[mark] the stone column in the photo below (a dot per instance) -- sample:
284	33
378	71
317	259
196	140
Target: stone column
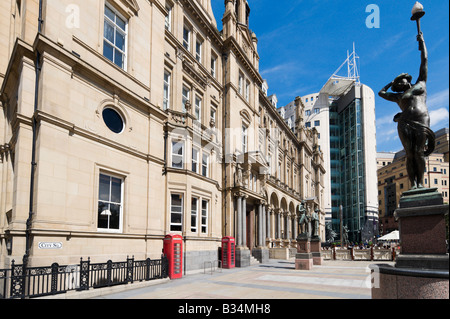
261	253
242	253
264	219
244	221
239	220
295	226
279	224
260	225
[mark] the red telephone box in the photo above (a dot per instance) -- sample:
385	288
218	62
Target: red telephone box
228	252
173	250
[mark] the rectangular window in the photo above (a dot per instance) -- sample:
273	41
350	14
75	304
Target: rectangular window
166	101
110	203
194	214
316	110
195	153
244	139
176	212
198	108
198	50
308	124
213	66
168	19
307	112
177	154
205	165
247	91
185	97
316	123
187	38
204	225
115	37
213	115
241	84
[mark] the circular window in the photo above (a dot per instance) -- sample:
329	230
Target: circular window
113	120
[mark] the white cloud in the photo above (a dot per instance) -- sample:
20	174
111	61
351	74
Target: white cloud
439	118
438	100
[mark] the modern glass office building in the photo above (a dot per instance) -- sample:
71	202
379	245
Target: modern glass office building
343	113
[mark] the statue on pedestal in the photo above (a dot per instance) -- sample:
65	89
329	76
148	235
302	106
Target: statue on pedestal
304	222
315	223
414	121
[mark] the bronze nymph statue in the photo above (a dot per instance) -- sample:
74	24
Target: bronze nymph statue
413	128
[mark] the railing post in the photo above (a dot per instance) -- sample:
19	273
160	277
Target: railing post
17	281
147	273
130	266
108	272
84	274
164	267
54	278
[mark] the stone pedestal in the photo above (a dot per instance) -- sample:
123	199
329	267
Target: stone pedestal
303	257
316	250
421	269
242	257
261	254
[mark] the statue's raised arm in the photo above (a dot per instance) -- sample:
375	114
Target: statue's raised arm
423	74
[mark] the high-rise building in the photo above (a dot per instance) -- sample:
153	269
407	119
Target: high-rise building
343	113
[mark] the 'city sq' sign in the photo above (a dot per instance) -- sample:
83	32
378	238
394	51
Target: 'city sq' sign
43	245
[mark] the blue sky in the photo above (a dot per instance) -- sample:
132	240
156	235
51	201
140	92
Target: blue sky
301	43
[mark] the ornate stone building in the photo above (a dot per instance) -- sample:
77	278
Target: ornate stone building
126	120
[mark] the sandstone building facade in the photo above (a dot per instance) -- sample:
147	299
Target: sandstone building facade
126	120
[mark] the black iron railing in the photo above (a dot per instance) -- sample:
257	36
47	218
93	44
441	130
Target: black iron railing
31	282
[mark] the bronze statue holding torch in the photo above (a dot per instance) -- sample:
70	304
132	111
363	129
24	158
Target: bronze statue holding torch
413	128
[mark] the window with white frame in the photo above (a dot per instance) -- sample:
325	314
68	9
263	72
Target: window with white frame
213	66
168	19
166	99
115	36
185	97
205	164
241	84
198	50
177	154
187	38
194	214
204	222
213	115
110	203
198	108
176	212
247	91
244	138
195	153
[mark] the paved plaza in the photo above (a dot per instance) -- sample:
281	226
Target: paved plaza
276	279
